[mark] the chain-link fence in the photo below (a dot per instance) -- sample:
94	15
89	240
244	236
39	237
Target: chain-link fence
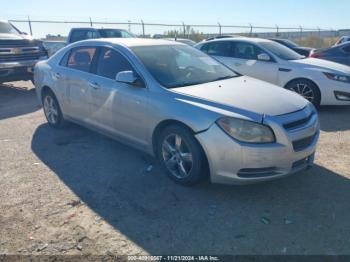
197	32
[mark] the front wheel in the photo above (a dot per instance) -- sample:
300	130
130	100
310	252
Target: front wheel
181	156
52	110
306	89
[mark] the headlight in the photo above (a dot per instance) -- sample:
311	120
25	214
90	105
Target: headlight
336	77
247	131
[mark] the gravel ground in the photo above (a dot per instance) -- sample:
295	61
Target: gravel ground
73	191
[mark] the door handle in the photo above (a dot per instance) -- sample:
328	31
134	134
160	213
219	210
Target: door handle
238	64
94	85
57	76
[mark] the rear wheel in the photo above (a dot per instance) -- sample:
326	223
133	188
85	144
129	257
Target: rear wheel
181	156
306	89
52	109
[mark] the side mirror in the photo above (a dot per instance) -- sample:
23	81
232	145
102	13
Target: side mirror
128	77
264	57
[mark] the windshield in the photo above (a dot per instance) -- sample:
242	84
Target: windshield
6	28
288	43
115	33
281	51
179	65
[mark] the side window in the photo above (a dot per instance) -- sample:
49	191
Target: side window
79	35
346	49
64	60
110	63
246	51
218	48
81	58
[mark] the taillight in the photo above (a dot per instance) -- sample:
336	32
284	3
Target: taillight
316	55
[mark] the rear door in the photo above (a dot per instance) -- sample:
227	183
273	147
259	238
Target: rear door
77	83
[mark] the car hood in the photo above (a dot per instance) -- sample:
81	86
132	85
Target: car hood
245	94
321	64
15	37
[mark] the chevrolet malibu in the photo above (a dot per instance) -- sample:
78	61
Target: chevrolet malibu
321	82
196	116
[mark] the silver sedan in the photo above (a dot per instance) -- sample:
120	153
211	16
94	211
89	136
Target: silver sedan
196	116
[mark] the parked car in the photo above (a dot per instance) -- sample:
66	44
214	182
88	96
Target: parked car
78	34
18	53
321	82
339	54
180	105
220	37
305	51
182	40
342	40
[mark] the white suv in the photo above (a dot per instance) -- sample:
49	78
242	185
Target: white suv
321	82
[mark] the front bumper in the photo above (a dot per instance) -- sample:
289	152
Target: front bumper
18	70
232	162
331	92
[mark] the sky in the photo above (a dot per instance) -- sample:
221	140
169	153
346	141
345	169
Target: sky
325	14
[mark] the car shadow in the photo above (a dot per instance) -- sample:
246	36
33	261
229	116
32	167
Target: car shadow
17	99
334	118
305	213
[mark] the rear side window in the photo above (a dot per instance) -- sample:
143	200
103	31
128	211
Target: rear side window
218	48
79	35
110	63
81	58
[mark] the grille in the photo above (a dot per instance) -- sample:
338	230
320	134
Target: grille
298	123
257	172
301	144
20	57
18	43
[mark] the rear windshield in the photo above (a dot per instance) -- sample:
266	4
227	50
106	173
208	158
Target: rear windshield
115	33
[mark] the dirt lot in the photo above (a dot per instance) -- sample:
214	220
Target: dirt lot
77	192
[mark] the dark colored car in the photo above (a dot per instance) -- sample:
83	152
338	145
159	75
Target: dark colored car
342	40
305	51
18	53
339	54
78	34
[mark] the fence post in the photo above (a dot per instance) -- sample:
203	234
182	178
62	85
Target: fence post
319	32
184	28
219	28
301	32
143	28
277	32
30	26
251	30
90	22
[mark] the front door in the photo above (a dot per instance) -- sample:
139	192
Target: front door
117	107
244	60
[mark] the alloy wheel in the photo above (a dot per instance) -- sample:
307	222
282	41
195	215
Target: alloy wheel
304	90
177	156
51	109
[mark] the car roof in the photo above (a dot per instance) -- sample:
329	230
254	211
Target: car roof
94	28
130	42
246	39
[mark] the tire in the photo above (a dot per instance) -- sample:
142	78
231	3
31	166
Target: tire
307	89
52	110
181	156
